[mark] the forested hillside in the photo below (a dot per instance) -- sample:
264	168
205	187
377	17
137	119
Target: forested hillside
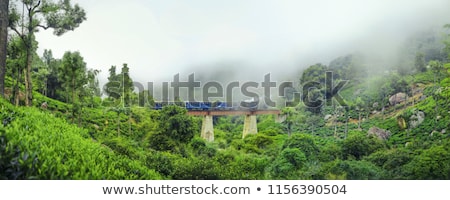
58	123
141	143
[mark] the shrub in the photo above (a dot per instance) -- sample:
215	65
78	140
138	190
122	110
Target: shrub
358	145
304	143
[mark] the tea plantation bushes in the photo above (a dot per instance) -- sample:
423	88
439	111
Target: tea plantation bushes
39	146
433	164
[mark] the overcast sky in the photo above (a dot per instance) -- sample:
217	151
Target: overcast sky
161	38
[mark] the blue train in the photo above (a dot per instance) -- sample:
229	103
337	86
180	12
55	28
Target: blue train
218	105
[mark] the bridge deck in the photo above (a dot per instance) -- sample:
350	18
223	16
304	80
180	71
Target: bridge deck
233	112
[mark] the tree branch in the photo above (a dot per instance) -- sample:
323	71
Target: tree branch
18	33
42	26
37	5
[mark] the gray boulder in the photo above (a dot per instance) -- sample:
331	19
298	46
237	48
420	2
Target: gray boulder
416	119
380	133
397	98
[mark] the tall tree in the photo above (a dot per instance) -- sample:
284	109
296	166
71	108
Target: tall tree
126	85
92	89
74	73
93	82
289	122
74	78
120	86
40	74
53	79
4	21
61	16
112	86
127	89
16	64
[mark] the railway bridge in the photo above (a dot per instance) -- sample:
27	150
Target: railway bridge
250	125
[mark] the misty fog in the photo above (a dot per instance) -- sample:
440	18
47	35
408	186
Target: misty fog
242	40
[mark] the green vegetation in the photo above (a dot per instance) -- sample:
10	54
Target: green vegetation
395	124
37	145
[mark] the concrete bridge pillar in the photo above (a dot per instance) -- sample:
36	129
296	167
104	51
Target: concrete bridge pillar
250	125
207	128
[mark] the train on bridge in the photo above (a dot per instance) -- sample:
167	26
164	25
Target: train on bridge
217	105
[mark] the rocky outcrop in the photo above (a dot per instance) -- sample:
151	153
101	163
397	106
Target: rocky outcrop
416	119
380	133
397	98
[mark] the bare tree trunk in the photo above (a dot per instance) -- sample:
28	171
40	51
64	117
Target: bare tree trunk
17	88
4	21
29	60
28	84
